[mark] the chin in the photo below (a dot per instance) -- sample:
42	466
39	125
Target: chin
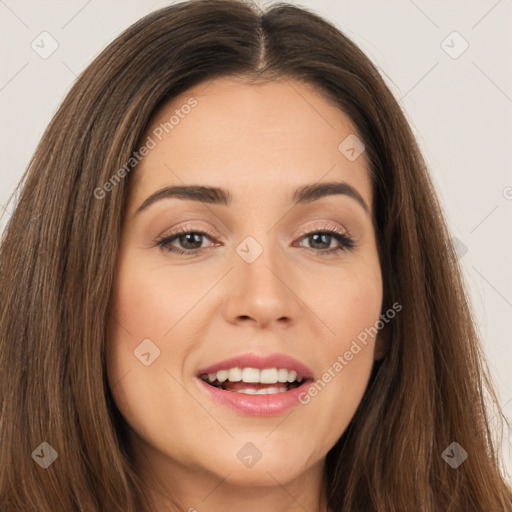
268	469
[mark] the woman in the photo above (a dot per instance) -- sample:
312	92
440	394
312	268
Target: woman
227	283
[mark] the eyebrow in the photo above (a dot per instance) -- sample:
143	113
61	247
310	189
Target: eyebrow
219	196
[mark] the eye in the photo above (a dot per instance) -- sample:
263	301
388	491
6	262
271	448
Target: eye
190	241
320	240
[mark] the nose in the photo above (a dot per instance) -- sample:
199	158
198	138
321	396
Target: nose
262	292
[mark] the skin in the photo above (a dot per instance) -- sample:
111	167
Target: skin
261	142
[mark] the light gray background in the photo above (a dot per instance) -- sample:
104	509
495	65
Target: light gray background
460	109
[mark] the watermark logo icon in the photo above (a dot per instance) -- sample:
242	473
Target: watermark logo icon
44	45
351	147
146	352
249	455
249	249
45	455
460	248
454	455
454	45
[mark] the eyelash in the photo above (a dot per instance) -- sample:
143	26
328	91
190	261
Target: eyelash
345	241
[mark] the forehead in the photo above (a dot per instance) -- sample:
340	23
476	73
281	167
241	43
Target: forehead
241	136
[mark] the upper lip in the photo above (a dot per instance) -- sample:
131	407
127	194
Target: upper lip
250	360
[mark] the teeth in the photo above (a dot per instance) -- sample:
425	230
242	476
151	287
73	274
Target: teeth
292	376
255	376
248	391
282	375
264	391
250	375
222	375
235	375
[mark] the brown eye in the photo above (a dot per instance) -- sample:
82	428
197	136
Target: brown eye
320	241
183	241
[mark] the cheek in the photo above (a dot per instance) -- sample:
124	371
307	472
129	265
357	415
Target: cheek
349	307
148	303
358	302
147	312
349	302
143	311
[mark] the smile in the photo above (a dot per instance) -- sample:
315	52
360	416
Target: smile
253	381
256	385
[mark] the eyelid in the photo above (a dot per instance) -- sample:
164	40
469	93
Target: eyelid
340	233
325	225
174	231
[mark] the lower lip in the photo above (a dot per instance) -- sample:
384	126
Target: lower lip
256	405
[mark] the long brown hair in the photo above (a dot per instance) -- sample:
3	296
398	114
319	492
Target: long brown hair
58	256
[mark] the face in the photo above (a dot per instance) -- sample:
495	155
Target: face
230	308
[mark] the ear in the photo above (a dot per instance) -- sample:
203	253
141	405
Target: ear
382	343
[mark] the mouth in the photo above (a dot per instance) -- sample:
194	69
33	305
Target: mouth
254	381
256	385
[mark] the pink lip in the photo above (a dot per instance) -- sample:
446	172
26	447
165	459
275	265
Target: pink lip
250	360
258	405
